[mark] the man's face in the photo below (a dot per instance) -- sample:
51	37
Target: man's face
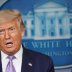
10	37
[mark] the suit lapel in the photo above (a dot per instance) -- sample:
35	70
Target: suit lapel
0	63
27	62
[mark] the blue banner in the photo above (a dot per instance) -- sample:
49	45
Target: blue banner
60	50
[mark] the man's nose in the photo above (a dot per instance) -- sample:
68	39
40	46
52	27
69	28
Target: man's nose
7	35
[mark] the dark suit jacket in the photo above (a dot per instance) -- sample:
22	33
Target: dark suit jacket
34	62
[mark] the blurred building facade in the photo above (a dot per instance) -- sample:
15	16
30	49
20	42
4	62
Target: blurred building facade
48	21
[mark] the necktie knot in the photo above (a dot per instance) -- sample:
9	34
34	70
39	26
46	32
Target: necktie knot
11	57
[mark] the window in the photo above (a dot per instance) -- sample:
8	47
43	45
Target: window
71	31
43	21
32	32
32	22
61	31
52	31
71	21
60	20
52	34
43	32
52	21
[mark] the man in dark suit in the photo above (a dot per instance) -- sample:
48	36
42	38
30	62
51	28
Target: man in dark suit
13	56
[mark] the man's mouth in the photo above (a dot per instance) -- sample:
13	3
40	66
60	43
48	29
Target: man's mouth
9	44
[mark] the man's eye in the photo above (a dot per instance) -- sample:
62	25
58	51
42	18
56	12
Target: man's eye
1	32
12	29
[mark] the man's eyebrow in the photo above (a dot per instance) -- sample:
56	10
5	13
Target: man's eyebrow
1	28
11	27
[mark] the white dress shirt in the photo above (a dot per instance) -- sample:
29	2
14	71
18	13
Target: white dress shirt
16	62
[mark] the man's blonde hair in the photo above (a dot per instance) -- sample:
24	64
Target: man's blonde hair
9	15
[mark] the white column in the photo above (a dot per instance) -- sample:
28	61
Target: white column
57	25
28	28
37	26
48	24
66	26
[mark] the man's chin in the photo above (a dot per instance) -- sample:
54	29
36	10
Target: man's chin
10	53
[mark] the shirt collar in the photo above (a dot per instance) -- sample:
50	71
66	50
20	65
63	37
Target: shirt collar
18	55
